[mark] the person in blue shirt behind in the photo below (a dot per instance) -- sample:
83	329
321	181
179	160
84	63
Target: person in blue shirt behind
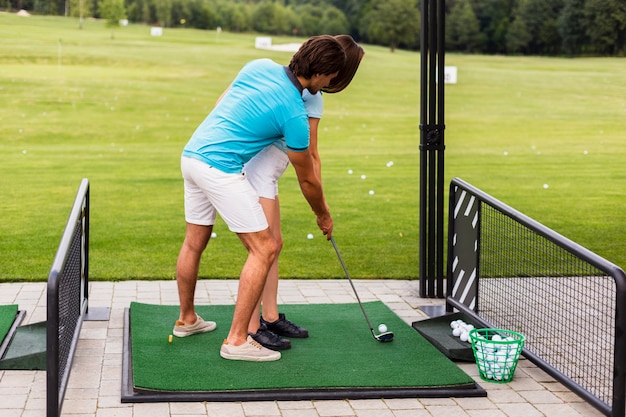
263	105
269	327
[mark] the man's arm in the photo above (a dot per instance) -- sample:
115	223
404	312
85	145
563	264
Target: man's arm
311	187
317	163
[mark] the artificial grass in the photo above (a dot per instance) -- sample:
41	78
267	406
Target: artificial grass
7	317
339	353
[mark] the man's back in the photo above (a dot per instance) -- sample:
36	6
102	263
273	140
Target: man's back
261	106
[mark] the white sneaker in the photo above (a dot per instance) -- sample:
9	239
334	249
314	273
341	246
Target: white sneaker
251	351
200	326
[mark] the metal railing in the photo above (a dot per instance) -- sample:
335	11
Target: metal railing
508	271
67	298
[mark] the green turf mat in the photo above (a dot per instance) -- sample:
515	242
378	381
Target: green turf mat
340	353
7	316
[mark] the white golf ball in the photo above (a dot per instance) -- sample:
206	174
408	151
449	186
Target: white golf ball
213	234
382	328
350	171
309	236
363	176
545	185
371	192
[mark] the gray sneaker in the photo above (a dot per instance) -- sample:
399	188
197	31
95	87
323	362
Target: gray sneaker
200	326
250	351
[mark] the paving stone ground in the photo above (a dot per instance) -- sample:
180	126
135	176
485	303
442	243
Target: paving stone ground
94	388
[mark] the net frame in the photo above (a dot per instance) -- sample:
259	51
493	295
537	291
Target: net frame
509	271
67	300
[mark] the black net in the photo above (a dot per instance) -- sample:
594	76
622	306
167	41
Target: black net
70	299
67	300
563	305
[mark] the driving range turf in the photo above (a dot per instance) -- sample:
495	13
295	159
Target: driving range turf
76	103
340	359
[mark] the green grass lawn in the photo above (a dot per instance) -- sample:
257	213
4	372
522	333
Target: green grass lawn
76	103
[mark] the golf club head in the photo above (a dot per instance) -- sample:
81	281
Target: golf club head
384	337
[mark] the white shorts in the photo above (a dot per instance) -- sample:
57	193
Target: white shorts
209	191
264	170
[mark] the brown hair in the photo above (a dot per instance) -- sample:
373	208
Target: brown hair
354	54
319	55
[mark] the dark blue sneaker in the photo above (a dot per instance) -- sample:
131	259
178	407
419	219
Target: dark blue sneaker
284	327
270	340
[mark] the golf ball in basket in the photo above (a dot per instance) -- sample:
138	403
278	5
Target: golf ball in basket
382	328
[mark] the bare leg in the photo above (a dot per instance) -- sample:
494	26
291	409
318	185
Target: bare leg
196	239
269	298
262	250
271	208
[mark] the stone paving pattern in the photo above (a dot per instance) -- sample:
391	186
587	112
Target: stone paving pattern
95	382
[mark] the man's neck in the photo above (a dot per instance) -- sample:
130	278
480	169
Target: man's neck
295	80
304	82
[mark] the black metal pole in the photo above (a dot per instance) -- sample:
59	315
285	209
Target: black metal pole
441	36
423	261
432	148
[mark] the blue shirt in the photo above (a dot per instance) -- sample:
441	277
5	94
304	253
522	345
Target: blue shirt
262	106
314	105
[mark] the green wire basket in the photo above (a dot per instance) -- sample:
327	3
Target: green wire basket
496	352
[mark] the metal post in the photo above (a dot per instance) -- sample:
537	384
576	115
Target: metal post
432	148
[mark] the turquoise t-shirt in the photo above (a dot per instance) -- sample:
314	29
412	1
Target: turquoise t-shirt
314	105
261	106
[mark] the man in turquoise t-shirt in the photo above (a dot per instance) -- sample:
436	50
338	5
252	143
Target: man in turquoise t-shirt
263	105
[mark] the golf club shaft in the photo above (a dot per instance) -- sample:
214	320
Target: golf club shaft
332	239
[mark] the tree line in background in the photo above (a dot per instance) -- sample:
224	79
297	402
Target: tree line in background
529	27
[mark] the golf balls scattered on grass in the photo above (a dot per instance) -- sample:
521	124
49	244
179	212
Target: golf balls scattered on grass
169	339
545	185
213	234
363	177
371	192
350	172
382	328
309	236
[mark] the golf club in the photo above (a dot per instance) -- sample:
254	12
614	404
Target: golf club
383	337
